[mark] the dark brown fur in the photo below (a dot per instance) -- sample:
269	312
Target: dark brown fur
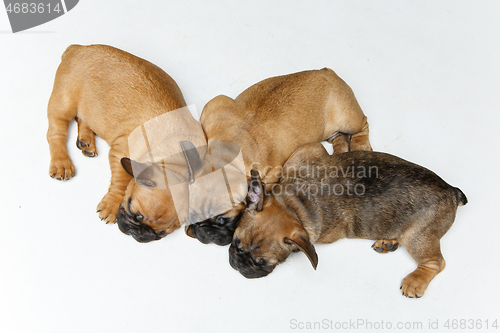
398	203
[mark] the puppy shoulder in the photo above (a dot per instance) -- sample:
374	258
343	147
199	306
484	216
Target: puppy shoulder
217	115
216	104
71	50
306	154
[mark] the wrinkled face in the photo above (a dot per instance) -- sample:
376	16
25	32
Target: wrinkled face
266	235
147	214
217	186
259	243
219	229
214	211
185	188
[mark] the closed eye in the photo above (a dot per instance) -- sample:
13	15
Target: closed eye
135	217
220	220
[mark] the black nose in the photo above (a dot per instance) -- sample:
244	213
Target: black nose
243	262
237	246
130	225
208	232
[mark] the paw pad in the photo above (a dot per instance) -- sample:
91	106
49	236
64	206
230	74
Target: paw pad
385	246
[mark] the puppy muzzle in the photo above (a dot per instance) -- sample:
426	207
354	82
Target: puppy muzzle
244	263
140	232
217	230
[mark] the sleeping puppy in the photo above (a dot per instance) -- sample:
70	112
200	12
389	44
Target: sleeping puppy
110	93
322	198
269	121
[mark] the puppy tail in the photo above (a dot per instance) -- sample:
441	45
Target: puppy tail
461	198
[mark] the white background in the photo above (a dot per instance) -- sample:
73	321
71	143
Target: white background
426	73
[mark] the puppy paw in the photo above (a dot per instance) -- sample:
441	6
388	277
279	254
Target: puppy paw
62	169
340	143
87	147
385	246
414	285
108	207
360	146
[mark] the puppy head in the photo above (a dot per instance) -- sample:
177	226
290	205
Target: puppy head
266	235
147	212
216	194
219	229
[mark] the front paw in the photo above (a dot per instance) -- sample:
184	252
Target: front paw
87	147
385	246
108	207
62	169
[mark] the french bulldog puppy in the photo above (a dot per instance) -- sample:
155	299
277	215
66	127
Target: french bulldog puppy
269	121
110	93
322	198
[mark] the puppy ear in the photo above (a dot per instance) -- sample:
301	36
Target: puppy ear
193	160
301	240
255	195
127	165
142	172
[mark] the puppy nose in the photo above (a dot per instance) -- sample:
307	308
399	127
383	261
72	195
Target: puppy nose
236	242
238	246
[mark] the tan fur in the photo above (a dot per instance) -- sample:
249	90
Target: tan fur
109	92
274	117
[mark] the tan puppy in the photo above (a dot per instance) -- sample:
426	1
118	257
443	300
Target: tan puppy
110	93
269	121
322	198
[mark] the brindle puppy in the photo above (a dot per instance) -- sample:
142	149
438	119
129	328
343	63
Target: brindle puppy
323	198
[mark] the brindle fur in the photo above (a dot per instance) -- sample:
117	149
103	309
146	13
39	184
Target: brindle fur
402	204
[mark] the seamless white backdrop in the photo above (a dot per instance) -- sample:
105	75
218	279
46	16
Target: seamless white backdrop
426	73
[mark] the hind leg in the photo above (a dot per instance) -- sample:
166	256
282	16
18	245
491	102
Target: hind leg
427	253
359	141
344	142
340	143
60	112
86	139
